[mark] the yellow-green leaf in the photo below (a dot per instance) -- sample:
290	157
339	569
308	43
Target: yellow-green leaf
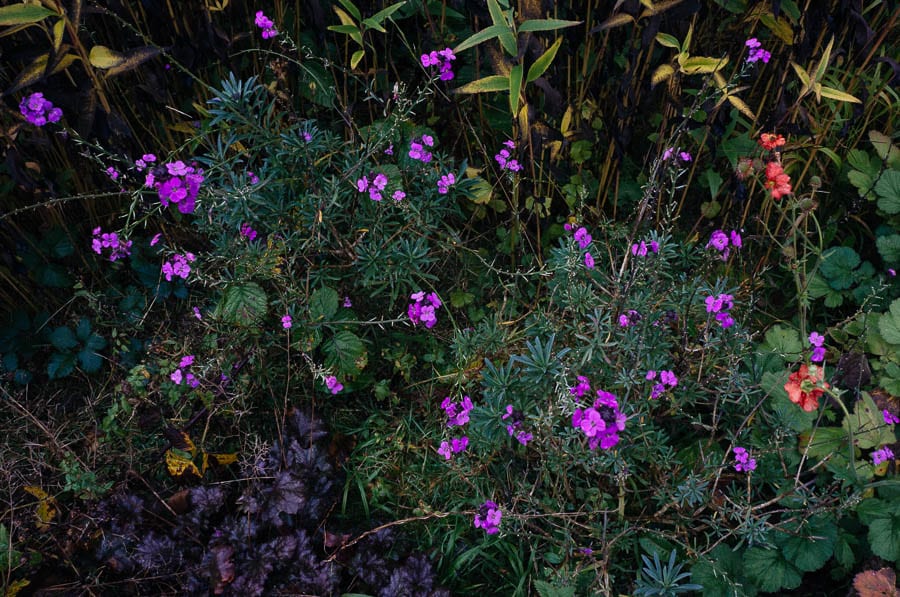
489	83
479	191
781	27
838	95
546	25
670	41
59	28
663	72
23	14
541	65
351	8
823	62
508	41
357	56
104	58
696	65
615	21
741	106
655	9
515	88
32	73
133	60
482	36
376	19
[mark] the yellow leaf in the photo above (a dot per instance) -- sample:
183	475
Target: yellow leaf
697	65
179	466
663	72
781	27
58	29
13	588
47	508
218	460
837	95
344	17
33	73
36	492
103	57
615	21
356	58
180	440
742	107
133	60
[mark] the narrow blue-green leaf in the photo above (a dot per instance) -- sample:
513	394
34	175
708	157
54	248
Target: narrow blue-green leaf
515	88
541	65
480	37
546	25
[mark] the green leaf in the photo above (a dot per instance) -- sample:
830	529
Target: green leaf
889	324
242	304
843	549
8	554
789	414
546	589
356	58
884	537
809	545
89	360
837	267
323	304
376	19
480	37
460	298
696	65
351	8
888	190
483	85
62	338
346	353
823	442
23	14
103	57
541	65
545	25
768	569
670	41
83	329
496	13
784	341
61	364
889	247
95	342
515	88
867	424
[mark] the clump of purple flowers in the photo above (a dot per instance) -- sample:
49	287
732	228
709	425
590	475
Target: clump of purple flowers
723	243
454	446
287	322
720	305
817	341
378	184
417	149
667	380
445	182
583	238
882	455
176	183
488	518
742	461
266	24
422	309
144	162
683	156
641	249
457	416
756	52
248	232
515	419
629	318
441	59
182	375
118	247
889	417
39	111
178	266
333	385
602	422
503	157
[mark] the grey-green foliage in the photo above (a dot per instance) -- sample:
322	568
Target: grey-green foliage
658	579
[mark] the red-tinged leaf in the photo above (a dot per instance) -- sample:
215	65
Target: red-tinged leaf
880	583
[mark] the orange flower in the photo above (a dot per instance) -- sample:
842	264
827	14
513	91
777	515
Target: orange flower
777	181
770	141
805	386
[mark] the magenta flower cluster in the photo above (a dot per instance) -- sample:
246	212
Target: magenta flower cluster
266	24
583	238
248	232
602	422
683	156
143	162
286	321
514	419
756	52
723	243
889	417
181	374
720	305
629	318
882	455
39	111
742	461
445	182
118	247
503	157
422	309
441	59
817	341
176	183
642	248
333	385
374	188
488	518
457	416
178	266
667	380
417	149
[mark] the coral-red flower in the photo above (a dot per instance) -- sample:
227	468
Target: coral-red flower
805	386
777	181
770	141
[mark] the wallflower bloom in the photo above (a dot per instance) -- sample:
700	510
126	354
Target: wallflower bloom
442	60
777	181
629	318
817	341
39	111
582	237
602	422
118	247
756	52
882	455
721	302
581	388
806	385
112	173
743	462
178	266
286	321
422	310
718	241
333	384
457	412
446	181
589	261
488	518
641	249
176	183
503	158
248	232
266	24
889	417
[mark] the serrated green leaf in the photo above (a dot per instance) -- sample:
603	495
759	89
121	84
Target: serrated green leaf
867	424
884	537
541	65
242	304
83	329
809	545
888	190
889	247
837	267
889	323
323	304
546	589
460	298
346	353
784	341
843	549
62	338
23	14
61	364
823	442
89	360
768	569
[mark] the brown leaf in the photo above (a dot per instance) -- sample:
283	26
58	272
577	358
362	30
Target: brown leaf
881	583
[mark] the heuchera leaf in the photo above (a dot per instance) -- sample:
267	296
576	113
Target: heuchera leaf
889	323
770	571
809	545
888	190
889	248
880	583
838	265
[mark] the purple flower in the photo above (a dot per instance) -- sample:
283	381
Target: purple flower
685	156
580	389
197	313
818	354
725	320
266	24
445	182
333	384
722	302
112	173
668	378
882	455
743	462
248	232
253	178
457	412
186	361
178	266
629	318
118	247
582	237
816	339
398	195
503	158
286	321
418	152
589	261
422	310
668	153
442	60
177	183
718	241
176	377
39	111
445	450
756	51
347	302
459	444
307	136
602	422
488	518
155	238
889	417
736	241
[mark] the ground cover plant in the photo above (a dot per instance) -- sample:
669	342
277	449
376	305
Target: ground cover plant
403	309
